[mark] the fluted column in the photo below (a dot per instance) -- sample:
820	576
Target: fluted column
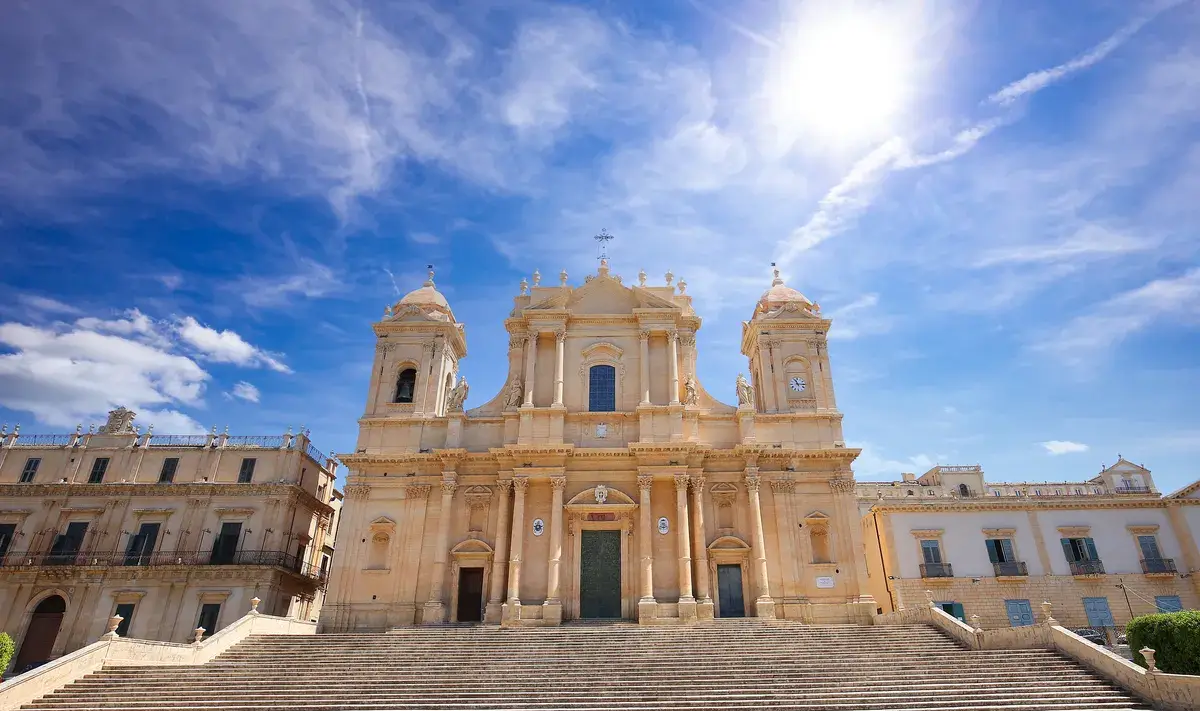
687	603
703	594
559	338
764	606
531	342
512	608
500	561
552	608
647	605
435	609
673	355
644	355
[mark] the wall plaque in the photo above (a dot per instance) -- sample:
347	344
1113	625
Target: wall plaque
663	525
824	582
539	526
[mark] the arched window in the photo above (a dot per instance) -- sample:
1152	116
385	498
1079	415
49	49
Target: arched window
963	490
602	388
406	385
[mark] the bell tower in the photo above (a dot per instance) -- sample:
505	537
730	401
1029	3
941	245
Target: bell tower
417	351
785	341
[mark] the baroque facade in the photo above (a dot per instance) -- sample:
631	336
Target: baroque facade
1101	550
603	480
170	532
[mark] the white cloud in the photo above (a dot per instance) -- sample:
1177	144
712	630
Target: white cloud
1036	81
1090	241
311	280
225	346
423	238
1056	447
870	464
169	422
857	318
245	391
45	304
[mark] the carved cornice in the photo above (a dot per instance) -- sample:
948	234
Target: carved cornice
1144	530
927	533
118	491
1023	504
1074	531
999	532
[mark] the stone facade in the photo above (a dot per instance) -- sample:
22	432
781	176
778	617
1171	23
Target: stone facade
1101	551
114	520
601	426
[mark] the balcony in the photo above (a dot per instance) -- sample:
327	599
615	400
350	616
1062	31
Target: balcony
105	559
936	570
1087	567
1158	566
1010	569
1132	490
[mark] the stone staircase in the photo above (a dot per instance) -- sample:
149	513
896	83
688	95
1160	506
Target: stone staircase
725	664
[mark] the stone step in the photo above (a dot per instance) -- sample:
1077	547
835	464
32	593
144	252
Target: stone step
944	704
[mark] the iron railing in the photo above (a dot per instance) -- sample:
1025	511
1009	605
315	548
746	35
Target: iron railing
1087	567
1011	568
178	441
1158	565
255	442
936	570
1132	490
95	559
43	440
317	455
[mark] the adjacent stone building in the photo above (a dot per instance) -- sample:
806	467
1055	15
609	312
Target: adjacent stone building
603	480
1102	550
171	532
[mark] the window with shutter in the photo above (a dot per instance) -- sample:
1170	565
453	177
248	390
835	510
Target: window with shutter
246	473
30	469
99	467
167	475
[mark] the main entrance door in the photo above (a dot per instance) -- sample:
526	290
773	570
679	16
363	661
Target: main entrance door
600	574
470	595
729	591
40	636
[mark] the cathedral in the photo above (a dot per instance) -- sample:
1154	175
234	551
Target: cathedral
603	481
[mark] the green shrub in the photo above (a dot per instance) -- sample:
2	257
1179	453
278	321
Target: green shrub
6	651
1174	637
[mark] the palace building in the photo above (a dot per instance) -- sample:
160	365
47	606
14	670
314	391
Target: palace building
603	480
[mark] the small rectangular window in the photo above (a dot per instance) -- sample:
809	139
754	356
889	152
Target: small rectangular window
1149	546
7	532
125	611
210	613
931	551
246	473
99	467
30	470
167	475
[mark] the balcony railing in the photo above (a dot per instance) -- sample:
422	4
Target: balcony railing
43	440
1158	565
1132	489
1011	569
255	442
91	559
177	441
936	570
1087	567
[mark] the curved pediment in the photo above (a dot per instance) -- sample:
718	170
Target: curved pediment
601	349
729	543
471	545
601	496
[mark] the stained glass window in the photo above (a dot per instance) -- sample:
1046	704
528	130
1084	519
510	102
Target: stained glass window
602	388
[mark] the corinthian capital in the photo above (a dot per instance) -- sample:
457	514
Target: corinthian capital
520	485
681	482
645	481
560	335
558	482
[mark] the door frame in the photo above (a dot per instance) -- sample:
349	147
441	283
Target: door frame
717	598
730	550
27	617
620	510
470	553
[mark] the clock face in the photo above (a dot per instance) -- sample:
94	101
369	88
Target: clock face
798	384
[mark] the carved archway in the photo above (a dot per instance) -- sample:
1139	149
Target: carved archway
470	553
601	508
729	550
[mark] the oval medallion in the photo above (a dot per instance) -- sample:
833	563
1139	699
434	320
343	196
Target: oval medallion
663	525
539	526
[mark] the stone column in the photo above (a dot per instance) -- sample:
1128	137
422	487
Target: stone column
552	607
512	608
673	355
704	603
492	614
779	388
531	342
764	606
687	603
435	609
647	605
559	338
644	355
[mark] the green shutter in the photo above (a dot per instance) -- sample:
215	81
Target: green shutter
1066	544
958	611
1006	547
991	546
1091	549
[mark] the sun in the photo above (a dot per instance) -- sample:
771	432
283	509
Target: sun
841	73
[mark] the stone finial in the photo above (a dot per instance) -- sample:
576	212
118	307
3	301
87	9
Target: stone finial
214	431
524	286
777	280
603	270
682	286
387	311
150	429
429	281
537	278
1149	656
562	278
669	276
4	429
641	277
975	623
113	623
78	428
91	429
254	601
929	598
199	635
1049	618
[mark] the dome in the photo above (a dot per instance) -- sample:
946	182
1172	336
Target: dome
780	294
428	299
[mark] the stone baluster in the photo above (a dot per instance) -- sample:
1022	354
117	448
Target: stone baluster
512	608
552	608
435	609
500	561
764	606
647	605
687	602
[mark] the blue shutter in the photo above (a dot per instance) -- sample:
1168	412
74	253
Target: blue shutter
1006	547
991	548
1066	544
1091	549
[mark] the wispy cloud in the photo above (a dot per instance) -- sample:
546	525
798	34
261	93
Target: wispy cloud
226	346
1056	447
1036	81
1089	241
44	304
857	319
245	391
310	280
871	464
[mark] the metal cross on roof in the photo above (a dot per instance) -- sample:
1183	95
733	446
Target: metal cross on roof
603	239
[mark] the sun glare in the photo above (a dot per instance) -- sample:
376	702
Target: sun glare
840	76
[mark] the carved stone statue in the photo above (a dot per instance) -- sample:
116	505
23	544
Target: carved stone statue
690	395
515	395
457	396
745	393
120	421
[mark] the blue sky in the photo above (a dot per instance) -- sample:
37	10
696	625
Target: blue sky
203	206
